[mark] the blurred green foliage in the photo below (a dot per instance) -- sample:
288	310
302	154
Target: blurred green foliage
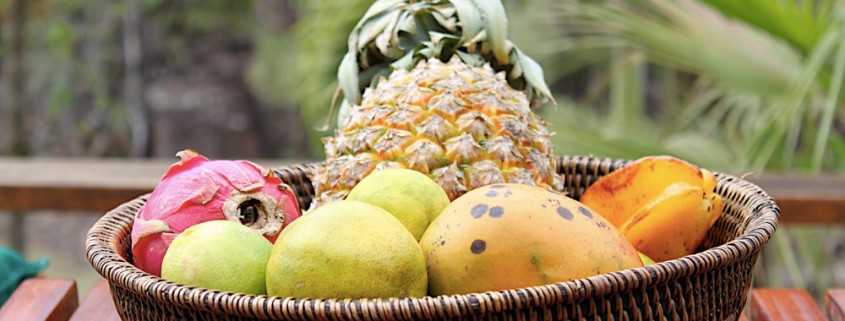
74	62
299	68
703	83
738	88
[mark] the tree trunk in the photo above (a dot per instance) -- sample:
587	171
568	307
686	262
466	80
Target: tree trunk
15	100
15	81
139	128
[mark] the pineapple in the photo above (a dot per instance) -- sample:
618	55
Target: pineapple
436	87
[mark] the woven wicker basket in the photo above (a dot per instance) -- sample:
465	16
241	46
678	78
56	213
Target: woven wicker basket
712	284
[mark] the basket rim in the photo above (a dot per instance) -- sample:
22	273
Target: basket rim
101	252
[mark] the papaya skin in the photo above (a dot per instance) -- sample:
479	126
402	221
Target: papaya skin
508	236
663	205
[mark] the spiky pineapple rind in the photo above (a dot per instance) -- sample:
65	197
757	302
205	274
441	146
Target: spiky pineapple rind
461	125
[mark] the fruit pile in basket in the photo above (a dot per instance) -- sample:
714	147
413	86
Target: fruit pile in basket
440	179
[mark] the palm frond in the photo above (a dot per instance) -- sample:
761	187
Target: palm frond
832	100
690	36
762	93
802	25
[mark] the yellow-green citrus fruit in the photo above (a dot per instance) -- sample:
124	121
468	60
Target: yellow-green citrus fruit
346	249
412	197
222	255
508	236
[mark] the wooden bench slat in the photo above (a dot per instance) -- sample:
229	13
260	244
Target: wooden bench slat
98	305
41	300
100	184
805	199
784	304
79	184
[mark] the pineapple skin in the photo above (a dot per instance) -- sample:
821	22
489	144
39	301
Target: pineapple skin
463	126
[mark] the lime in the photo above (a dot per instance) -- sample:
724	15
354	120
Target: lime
411	196
220	254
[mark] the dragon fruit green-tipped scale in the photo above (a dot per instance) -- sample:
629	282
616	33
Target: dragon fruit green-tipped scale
196	190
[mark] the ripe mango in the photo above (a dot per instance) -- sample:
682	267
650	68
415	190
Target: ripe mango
662	204
508	236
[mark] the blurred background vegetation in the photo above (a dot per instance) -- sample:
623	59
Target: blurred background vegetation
750	86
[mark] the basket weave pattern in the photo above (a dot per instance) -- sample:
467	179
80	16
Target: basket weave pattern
710	285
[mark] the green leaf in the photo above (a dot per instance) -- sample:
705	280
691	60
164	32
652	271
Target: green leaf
343	112
738	55
826	123
409	24
627	76
766	141
380	7
445	19
496	25
387	41
802	26
470	18
533	74
377	8
439	37
472	59
347	77
405	63
372	28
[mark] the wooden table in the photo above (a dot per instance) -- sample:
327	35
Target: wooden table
57	300
80	184
98	185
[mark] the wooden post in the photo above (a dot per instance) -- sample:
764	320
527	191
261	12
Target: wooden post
133	81
15	100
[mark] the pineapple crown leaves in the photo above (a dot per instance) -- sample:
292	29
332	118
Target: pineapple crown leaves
398	34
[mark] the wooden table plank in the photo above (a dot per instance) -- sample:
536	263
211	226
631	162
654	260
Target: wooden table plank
806	199
834	304
784	304
80	184
98	305
98	185
41	300
94	185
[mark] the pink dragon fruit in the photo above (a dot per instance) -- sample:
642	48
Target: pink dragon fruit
195	190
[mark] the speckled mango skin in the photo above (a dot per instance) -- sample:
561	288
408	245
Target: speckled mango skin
508	236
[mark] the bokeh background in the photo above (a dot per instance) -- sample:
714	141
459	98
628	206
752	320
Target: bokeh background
752	86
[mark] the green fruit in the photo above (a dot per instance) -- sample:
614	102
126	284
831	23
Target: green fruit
346	249
412	197
221	255
646	260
